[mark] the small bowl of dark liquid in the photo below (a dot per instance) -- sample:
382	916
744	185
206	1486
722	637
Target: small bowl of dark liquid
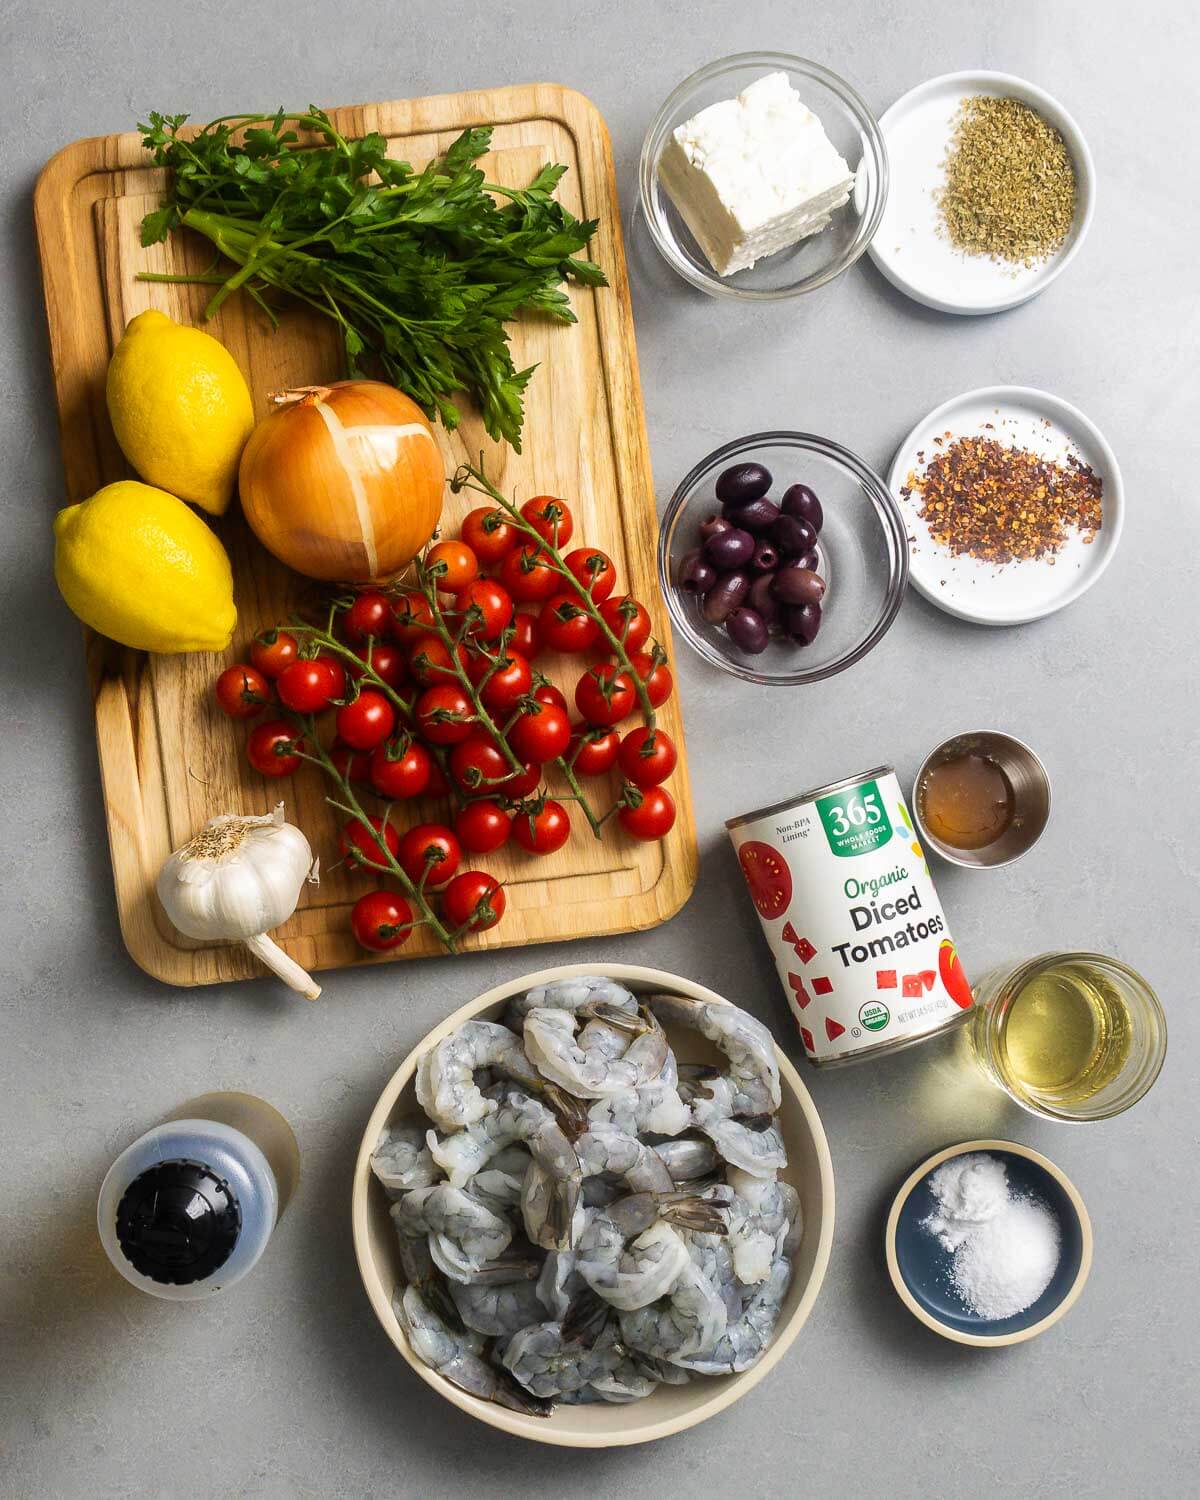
981	799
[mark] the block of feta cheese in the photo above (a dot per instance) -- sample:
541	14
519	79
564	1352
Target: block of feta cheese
752	175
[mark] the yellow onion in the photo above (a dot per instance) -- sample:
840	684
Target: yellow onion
343	482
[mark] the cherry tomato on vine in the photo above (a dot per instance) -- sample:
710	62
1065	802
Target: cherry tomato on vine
541	733
545	513
510	681
605	694
271	748
307	686
489	605
412	617
564	625
524	634
473	900
352	765
482	826
399	771
592	751
593	570
272	651
546	692
489	535
529	575
628	621
430	844
369	616
386	660
652	818
444	714
481	768
542	830
647	756
366	721
381	921
452	565
656	676
358	842
242	692
430	661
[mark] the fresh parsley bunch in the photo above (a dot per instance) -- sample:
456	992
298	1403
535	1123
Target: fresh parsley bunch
421	270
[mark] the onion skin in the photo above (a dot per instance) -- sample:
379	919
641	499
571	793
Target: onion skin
343	482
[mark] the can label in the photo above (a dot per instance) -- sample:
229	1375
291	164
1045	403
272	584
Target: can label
845	897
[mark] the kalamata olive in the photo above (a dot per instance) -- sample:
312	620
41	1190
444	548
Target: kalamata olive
759	515
803	622
763	601
810	559
748	629
743	483
725	596
793	535
696	574
796	585
801	502
729	549
765	558
714	525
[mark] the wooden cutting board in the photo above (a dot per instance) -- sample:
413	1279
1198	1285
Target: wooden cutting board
168	759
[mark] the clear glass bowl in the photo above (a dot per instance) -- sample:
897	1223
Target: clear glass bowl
848	123
862	555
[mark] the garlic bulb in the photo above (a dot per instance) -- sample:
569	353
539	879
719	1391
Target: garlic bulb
239	877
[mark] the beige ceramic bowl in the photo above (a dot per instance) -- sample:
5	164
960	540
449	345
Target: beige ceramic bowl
671	1408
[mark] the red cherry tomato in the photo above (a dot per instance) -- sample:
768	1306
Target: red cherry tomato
550	518
399	771
564	625
542	830
529	575
605	694
370	616
647	756
412	617
541	733
524	635
387	661
594	571
452	565
510	681
360	843
430	661
381	921
242	692
482	826
271	748
480	767
592	751
272	651
628	621
366	721
432	845
306	687
656	676
438	785
546	692
352	765
488	607
652	818
489	535
473	900
444	714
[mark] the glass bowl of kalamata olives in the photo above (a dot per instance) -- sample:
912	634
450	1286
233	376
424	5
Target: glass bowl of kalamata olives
783	558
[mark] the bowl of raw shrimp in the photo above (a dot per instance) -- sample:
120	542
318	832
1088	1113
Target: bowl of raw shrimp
689	1045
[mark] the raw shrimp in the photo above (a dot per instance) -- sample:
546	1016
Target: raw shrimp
755	1145
553	1048
559	1283
497	1310
688	1320
689	1159
402	1161
446	1087
555	1368
630	1254
606	1149
552	1207
654	1109
570	995
464	1234
448	1352
745	1341
745	1041
760	1224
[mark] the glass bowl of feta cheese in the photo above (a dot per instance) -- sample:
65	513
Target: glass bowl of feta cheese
763	176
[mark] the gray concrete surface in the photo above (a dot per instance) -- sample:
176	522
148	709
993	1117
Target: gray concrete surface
289	1387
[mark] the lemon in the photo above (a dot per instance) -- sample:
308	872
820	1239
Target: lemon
180	409
137	565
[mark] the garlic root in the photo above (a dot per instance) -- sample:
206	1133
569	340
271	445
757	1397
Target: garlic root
270	953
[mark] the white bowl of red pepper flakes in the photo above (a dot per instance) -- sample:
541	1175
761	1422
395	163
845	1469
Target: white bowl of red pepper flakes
1013	502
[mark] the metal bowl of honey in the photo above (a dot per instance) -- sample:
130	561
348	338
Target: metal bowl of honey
981	799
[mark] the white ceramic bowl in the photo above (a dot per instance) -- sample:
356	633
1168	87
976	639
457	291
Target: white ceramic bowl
671	1408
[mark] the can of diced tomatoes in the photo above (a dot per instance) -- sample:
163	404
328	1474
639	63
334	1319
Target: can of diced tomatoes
845	897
